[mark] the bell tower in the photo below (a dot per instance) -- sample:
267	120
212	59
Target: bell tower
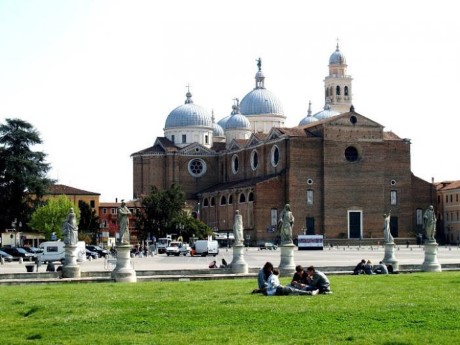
337	85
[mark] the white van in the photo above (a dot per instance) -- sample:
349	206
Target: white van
205	247
52	251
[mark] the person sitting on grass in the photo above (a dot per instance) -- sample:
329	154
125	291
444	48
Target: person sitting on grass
381	268
274	287
318	281
262	277
359	269
369	267
300	278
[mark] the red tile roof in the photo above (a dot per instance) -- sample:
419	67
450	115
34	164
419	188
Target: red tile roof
60	189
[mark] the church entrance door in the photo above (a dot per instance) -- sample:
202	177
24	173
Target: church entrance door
354	224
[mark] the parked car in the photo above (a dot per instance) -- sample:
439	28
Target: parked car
185	249
90	255
33	250
267	245
100	251
19	253
6	256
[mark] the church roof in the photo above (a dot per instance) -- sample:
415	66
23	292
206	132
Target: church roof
60	189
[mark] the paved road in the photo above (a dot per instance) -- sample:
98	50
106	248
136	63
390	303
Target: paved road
333	257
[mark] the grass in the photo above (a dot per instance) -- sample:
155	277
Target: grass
421	308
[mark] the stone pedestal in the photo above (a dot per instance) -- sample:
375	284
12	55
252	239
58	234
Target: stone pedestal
287	265
238	263
389	258
431	263
123	271
71	268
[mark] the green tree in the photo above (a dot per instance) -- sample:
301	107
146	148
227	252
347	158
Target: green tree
50	217
89	221
23	179
162	211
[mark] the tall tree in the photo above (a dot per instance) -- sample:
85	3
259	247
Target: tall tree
89	221
23	179
163	213
50	217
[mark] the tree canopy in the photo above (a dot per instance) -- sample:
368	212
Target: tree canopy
23	172
163	213
89	221
50	217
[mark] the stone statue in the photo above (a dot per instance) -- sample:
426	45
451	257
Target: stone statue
123	223
429	224
238	228
259	63
387	237
285	225
70	228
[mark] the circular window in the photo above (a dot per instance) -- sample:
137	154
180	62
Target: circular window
197	167
310	181
353	119
393	182
351	154
275	153
235	164
254	160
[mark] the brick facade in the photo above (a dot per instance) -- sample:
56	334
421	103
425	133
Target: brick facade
349	169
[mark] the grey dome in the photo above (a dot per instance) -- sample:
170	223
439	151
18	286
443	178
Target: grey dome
237	121
222	122
188	115
326	113
217	130
260	101
307	119
337	58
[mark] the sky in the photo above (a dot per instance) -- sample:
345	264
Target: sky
98	79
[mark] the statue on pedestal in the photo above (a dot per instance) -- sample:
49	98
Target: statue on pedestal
70	228
429	224
123	223
285	224
238	228
387	237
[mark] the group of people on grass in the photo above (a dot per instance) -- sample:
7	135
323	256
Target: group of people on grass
304	282
367	267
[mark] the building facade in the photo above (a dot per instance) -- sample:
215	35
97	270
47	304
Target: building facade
448	207
339	170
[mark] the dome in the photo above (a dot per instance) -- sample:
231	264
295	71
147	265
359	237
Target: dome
307	119
222	122
260	101
237	121
188	115
217	130
326	113
337	58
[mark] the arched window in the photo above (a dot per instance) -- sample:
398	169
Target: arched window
337	90
223	200
275	155
230	199
213	201
251	197
242	198
254	160
345	91
235	164
206	202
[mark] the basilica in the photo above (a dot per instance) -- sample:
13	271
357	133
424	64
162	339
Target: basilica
339	170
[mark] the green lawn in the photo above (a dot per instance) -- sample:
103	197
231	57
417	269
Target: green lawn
421	308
